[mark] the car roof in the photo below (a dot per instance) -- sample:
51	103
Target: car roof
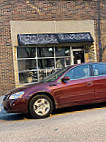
89	63
75	65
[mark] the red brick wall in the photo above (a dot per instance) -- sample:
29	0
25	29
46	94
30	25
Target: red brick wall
33	10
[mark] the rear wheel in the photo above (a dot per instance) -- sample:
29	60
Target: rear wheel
40	106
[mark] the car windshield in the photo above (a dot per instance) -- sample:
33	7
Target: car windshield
55	75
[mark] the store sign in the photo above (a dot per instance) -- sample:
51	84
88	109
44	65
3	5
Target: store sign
32	39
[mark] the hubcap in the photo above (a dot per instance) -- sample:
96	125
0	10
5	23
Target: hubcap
41	107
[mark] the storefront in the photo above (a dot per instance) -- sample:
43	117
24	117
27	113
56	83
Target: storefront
39	55
24	63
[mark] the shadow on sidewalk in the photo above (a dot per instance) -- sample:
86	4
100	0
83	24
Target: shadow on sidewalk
17	116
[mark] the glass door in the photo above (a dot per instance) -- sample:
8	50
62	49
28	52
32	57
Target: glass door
77	56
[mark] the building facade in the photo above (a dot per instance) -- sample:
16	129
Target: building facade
40	37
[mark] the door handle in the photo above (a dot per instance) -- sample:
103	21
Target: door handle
89	83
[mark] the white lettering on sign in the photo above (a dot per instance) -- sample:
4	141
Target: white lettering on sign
28	39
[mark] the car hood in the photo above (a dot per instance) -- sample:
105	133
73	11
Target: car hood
31	86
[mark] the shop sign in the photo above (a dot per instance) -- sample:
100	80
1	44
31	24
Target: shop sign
34	39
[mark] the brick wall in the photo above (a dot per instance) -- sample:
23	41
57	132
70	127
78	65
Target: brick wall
32	10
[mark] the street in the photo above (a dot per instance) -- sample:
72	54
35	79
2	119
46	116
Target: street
74	124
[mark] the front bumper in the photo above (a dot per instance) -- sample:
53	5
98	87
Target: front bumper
15	106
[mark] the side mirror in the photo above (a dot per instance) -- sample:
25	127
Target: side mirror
65	79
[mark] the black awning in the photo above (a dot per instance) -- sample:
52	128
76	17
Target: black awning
60	38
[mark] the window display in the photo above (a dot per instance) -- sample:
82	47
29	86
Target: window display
36	63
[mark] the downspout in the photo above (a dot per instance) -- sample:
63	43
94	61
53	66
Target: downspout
99	29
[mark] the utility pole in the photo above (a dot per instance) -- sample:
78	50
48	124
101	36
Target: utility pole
99	29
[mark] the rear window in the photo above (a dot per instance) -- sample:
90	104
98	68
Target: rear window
99	69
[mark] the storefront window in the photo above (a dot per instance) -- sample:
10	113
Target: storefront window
61	51
28	77
45	63
36	63
67	61
26	64
45	52
45	73
26	52
60	62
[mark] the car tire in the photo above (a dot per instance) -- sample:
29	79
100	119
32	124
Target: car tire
40	106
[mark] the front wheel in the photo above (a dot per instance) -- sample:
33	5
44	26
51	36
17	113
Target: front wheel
40	106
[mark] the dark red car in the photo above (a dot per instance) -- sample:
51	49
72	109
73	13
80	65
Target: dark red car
74	85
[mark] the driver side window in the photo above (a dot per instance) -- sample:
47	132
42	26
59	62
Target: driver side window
79	72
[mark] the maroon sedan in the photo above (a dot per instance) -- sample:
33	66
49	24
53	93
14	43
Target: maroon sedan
74	85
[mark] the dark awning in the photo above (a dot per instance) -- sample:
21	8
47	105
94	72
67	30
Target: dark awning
60	38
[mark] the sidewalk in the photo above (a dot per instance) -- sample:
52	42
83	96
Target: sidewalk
1	108
1	99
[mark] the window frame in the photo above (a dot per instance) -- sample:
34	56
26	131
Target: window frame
37	58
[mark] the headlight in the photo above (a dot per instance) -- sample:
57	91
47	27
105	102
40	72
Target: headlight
16	95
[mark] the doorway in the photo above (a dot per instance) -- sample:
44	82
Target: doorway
78	56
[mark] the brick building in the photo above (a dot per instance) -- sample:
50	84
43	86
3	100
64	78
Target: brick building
39	37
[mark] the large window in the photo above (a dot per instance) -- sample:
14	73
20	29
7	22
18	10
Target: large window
35	63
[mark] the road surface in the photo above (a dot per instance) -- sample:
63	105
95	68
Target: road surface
75	124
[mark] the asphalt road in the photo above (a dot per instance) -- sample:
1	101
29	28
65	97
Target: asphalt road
75	124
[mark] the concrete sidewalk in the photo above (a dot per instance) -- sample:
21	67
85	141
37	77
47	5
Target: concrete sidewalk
1	99
1	108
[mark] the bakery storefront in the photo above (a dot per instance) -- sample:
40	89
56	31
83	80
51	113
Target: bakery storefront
43	47
39	55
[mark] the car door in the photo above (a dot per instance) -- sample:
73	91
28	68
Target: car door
79	88
99	80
